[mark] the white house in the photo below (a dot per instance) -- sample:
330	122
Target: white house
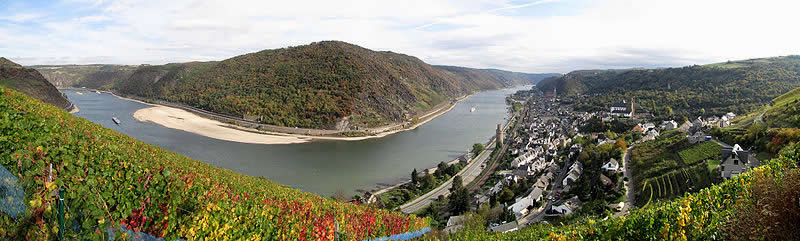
611	166
523	159
520	208
574	173
736	161
730	115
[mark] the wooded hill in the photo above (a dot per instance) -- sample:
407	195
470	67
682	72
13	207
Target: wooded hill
738	86
32	83
327	85
96	76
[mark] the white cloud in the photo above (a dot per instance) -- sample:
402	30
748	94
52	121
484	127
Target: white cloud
474	33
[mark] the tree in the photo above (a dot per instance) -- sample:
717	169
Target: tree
457	183
427	181
477	148
441	168
506	196
459	201
414	177
621	144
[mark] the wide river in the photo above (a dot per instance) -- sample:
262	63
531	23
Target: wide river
321	167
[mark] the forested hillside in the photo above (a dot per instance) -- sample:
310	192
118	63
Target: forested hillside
738	86
31	82
90	76
329	85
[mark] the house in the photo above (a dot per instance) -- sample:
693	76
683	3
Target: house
622	109
735	161
574	173
520	208
523	159
686	125
669	125
700	122
496	188
611	166
455	223
647	126
505	228
565	207
697	137
730	115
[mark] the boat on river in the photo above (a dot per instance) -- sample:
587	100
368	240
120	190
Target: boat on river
116	121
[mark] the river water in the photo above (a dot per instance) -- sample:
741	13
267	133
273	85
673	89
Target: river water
321	167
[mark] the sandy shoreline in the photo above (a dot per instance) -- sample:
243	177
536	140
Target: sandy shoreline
176	118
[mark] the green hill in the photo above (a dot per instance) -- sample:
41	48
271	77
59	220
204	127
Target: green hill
784	111
327	85
110	179
738	86
31	82
94	76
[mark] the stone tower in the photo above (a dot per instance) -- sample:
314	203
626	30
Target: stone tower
499	136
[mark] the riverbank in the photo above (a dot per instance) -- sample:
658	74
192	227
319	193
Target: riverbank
176	118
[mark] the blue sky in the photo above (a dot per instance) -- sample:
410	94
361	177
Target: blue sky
519	35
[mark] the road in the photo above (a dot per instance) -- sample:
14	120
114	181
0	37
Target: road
469	173
629	196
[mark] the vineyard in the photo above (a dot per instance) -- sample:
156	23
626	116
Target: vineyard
703	215
700	152
110	180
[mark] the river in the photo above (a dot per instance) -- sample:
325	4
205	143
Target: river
321	167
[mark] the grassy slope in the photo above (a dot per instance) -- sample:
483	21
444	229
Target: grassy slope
698	216
113	179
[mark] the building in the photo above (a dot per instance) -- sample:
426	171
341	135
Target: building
611	166
697	137
735	161
565	207
574	173
499	133
455	223
505	228
669	125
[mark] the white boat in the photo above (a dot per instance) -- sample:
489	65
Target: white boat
97	91
116	120
472	110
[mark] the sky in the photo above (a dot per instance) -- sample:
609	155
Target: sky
534	36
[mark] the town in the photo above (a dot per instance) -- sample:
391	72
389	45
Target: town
557	165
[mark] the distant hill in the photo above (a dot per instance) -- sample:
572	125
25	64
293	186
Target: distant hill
32	83
737	86
327	85
501	76
95	76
